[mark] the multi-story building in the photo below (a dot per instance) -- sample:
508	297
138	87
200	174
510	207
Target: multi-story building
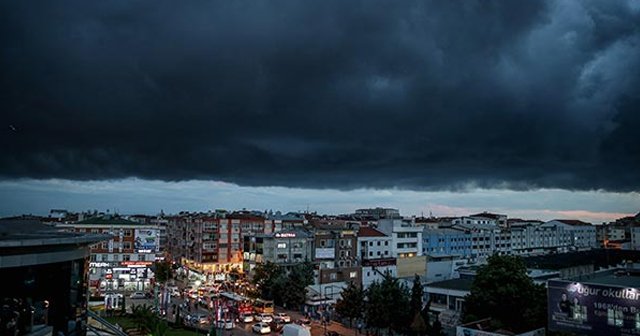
635	238
284	248
122	262
406	245
374	250
581	234
378	213
446	242
213	242
47	270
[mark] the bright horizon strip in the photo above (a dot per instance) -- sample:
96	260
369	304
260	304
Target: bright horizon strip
138	196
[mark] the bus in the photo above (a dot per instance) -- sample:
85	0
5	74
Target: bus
263	306
237	304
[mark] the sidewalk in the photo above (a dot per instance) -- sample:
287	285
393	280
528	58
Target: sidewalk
317	328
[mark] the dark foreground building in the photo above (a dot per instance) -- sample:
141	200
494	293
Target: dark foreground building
44	279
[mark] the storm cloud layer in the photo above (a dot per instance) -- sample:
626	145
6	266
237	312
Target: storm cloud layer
340	94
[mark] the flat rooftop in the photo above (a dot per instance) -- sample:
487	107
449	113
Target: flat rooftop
620	278
462	284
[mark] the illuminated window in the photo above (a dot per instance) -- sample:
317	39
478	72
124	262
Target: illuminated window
614	317
637	320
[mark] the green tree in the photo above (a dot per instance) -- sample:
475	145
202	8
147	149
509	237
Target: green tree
388	305
351	305
417	292
503	291
264	277
294	291
163	271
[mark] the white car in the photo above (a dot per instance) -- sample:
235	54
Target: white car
137	295
199	319
264	318
246	318
228	324
261	328
282	317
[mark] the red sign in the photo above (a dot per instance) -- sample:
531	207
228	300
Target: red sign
137	263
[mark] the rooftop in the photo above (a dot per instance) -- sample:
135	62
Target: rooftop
619	277
23	233
108	220
462	284
597	257
370	232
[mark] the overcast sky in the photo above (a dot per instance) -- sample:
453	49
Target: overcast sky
529	108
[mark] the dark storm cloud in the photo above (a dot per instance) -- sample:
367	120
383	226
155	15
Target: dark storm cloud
427	94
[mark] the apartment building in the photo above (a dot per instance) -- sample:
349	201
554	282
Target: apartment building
122	262
374	250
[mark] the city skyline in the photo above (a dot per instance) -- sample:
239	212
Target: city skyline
450	107
133	196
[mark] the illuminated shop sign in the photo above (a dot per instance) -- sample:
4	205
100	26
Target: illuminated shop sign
285	235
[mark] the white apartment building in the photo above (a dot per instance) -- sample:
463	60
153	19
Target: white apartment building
407	237
375	252
582	235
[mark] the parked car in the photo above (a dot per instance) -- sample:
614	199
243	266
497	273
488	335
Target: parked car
137	295
246	318
261	328
229	324
282	317
199	319
262	317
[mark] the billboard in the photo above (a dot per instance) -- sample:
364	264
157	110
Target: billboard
325	253
146	240
590	309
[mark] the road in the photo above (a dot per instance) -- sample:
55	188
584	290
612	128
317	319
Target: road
244	329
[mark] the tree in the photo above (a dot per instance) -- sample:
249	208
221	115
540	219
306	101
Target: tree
265	275
351	305
294	291
417	292
503	290
388	305
163	271
418	326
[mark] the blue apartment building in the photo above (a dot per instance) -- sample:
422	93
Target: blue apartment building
446	242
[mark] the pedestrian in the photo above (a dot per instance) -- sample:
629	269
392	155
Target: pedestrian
359	327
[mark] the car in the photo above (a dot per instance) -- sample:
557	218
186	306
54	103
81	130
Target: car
262	317
261	328
199	319
282	317
229	324
137	295
246	318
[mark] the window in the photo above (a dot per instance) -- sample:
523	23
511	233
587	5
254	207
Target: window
370	243
637	320
370	254
614	317
322	242
126	245
378	243
353	274
141	257
386	243
282	245
92	257
127	233
126	257
333	276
